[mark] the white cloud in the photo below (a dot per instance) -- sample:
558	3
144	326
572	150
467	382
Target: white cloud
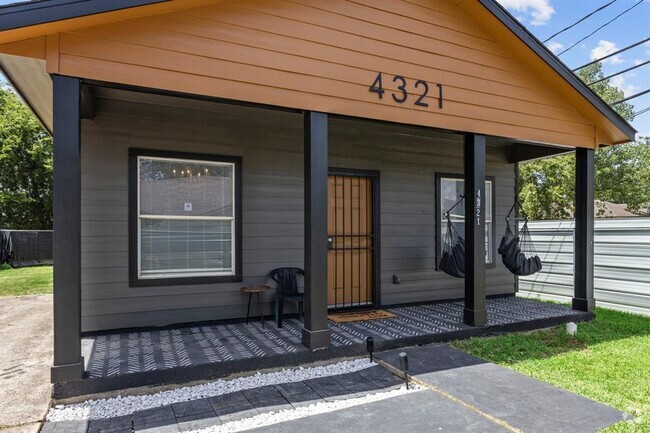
540	11
638	62
555	47
604	48
621	84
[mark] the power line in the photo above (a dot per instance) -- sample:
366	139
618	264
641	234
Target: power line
619	73
645	110
604	25
630	97
579	21
612	54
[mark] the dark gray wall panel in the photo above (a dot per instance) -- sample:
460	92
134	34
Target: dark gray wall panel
270	144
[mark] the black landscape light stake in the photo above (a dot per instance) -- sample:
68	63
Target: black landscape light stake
404	366
370	346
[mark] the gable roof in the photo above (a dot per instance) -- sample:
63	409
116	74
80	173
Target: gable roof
31	13
558	66
46	12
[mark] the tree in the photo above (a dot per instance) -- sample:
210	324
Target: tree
605	90
25	167
545	187
622	172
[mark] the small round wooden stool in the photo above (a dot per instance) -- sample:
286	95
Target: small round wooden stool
254	289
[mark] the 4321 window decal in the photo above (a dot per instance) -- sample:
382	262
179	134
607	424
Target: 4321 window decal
420	89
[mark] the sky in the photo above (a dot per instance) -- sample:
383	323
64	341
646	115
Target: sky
545	17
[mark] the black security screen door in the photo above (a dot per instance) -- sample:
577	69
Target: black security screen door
351	241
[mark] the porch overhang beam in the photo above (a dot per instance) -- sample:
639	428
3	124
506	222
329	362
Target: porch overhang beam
68	363
87	108
474	313
583	273
316	333
520	152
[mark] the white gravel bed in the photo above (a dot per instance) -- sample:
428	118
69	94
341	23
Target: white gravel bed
118	406
270	418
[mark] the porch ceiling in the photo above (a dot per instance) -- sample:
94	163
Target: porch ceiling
516	151
28	76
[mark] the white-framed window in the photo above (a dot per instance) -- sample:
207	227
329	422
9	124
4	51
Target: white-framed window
185	218
451	188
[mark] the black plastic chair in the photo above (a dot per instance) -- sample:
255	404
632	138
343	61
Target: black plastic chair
287	290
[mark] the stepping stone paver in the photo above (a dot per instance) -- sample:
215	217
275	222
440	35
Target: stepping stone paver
298	394
356	383
121	424
66	427
198	423
193	408
384	379
266	399
195	414
232	407
328	388
157	420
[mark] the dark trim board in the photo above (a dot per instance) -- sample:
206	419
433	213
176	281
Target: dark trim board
516	191
134	281
33	13
67	359
474	151
520	152
376	225
316	335
583	255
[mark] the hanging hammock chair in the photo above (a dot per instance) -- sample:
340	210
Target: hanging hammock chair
518	253
452	260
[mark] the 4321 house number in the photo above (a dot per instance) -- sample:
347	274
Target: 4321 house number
420	89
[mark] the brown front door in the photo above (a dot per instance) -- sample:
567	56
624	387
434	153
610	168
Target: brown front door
350	258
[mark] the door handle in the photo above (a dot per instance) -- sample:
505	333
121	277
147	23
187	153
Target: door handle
330	243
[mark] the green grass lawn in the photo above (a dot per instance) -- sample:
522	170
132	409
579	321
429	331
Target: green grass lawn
608	360
25	281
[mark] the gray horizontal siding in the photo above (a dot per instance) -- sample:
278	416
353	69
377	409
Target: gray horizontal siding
621	259
270	144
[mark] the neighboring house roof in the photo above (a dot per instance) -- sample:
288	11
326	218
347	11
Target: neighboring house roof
607	209
44	12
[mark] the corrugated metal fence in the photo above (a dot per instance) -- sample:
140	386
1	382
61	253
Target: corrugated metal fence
622	263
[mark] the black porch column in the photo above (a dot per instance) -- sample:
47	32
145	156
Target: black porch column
316	333
68	362
474	313
583	253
